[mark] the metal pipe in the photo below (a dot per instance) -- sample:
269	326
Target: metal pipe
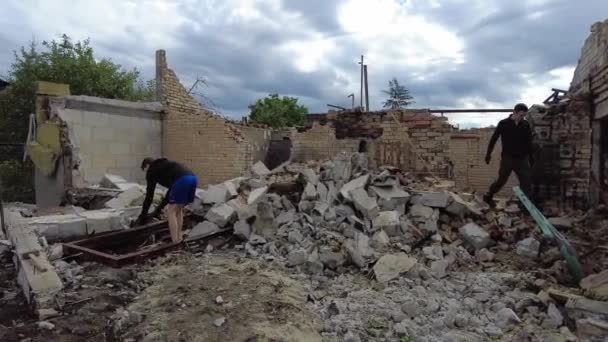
470	110
361	91
366	93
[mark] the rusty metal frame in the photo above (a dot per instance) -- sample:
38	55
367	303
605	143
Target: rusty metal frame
85	249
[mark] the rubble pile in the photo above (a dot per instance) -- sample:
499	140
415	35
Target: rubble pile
429	247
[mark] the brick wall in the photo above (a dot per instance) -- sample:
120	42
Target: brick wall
590	84
213	148
108	136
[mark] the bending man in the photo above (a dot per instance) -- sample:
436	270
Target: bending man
181	183
516	140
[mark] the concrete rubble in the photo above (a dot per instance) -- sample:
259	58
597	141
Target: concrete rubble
434	254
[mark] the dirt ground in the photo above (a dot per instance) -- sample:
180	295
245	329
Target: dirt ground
258	302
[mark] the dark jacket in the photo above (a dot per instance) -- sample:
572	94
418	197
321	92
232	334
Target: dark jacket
164	172
516	139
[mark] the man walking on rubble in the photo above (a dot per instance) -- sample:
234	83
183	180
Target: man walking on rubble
516	140
181	184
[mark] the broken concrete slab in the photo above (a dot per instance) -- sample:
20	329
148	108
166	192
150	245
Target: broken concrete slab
390	266
388	221
364	203
59	227
101	221
310	176
474	235
310	192
380	239
431	199
331	259
297	257
460	207
202	229
596	283
39	287
214	194
221	215
322	192
528	247
391	192
256	195
259	169
439	268
354	184
110	181
561	222
361	243
242	230
129	198
354	255
590	329
421	211
264	224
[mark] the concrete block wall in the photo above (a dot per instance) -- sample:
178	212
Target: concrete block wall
215	150
109	136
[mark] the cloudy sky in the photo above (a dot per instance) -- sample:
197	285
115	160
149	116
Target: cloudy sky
449	53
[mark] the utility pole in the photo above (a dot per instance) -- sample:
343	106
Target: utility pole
366	93
361	93
352	96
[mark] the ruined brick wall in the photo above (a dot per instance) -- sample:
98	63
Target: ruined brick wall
213	148
591	81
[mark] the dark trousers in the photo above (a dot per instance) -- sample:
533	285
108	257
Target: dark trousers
522	169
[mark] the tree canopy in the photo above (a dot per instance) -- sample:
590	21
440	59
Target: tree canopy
398	95
59	61
277	112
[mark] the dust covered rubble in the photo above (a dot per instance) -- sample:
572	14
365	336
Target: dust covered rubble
331	220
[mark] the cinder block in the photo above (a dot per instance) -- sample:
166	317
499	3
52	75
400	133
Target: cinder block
99	221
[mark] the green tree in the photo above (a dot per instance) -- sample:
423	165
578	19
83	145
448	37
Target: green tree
398	95
277	112
61	61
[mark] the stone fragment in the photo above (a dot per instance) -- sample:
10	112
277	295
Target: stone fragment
362	245
331	259
322	191
364	203
506	318
306	206
221	215
357	183
242	230
596	283
421	211
259	169
110	181
256	194
264	224
474	235
310	176
433	252
218	322
202	229
484	255
312	267
219	300
297	257
320	208
591	329
460	207
561	222
388	221
255	240
310	193
355	256
439	268
390	266
44	314
505	221
344	211
132	197
295	236
56	252
555	316
528	247
46	325
285	217
380	239
214	194
431	199
412	308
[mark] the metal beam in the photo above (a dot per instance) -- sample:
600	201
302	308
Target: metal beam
500	110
